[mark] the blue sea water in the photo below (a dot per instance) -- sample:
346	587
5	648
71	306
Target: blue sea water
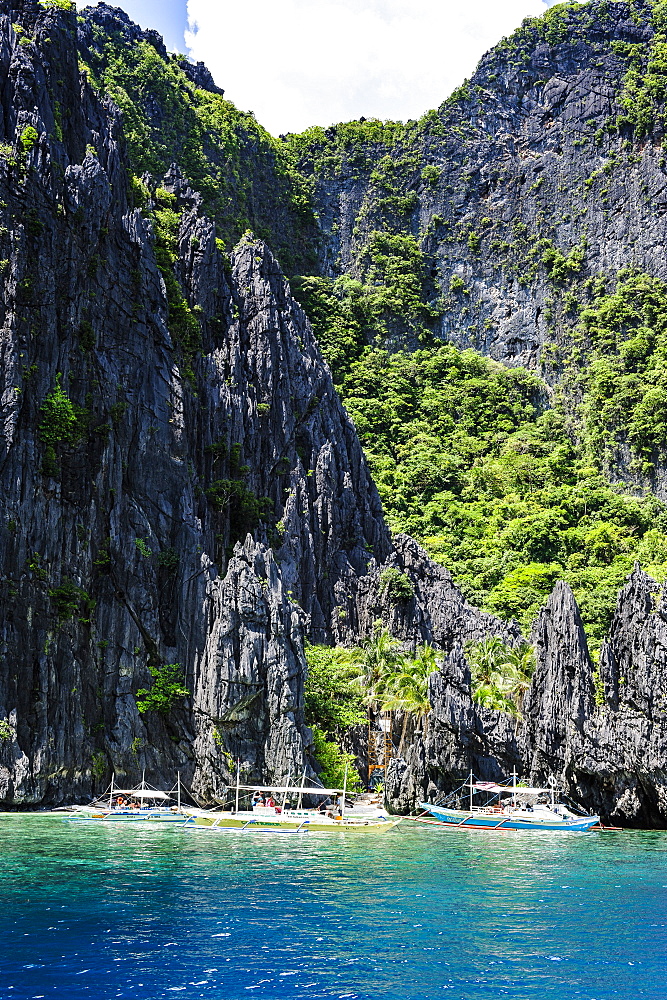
94	912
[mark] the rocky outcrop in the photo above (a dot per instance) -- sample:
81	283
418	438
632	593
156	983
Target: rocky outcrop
437	613
561	697
525	157
602	732
181	484
461	737
599	732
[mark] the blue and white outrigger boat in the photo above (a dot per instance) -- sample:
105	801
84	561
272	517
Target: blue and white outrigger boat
135	805
511	807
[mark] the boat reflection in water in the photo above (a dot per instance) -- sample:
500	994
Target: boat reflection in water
508	807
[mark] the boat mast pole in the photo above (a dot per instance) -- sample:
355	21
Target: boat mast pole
111	792
470	780
342	808
178	785
289	775
303	782
238	780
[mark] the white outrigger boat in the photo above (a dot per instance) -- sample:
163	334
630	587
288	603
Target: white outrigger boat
282	817
511	807
135	805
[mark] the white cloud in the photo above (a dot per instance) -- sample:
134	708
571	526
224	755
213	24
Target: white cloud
297	63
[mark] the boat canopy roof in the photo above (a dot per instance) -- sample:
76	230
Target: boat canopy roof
491	786
142	793
523	790
295	789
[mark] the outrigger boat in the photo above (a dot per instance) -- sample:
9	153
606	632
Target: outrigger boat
135	805
511	807
281	817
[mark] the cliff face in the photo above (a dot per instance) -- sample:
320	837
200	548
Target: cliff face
600	732
537	153
114	557
180	482
174	113
603	730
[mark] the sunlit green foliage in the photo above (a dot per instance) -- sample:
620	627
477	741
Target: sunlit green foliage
324	151
61	423
380	659
62	4
340	314
244	174
468	461
348	314
343	684
338	766
334	704
645	83
406	690
626	382
395	587
167	690
334	699
501	674
29	137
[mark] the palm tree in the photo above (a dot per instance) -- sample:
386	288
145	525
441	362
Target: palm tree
501	674
380	660
521	660
484	657
408	690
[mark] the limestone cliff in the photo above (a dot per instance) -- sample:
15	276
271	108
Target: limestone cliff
536	153
181	484
601	733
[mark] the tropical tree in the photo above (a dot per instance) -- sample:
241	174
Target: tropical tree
501	674
407	690
379	660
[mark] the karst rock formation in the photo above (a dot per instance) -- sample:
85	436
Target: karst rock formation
182	485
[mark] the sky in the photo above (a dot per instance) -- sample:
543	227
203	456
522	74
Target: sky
169	17
297	63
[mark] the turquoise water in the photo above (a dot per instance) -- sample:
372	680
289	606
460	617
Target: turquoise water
93	912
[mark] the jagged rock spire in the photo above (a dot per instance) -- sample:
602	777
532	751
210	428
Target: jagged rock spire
562	694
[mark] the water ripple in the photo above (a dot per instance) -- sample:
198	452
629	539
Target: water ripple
96	913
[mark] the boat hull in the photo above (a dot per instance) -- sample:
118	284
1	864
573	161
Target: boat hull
129	816
265	824
494	821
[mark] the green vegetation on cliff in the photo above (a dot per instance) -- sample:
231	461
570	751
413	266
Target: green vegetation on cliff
506	482
240	170
509	482
503	491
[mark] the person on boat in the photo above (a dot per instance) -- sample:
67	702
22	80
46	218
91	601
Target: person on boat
270	802
257	799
